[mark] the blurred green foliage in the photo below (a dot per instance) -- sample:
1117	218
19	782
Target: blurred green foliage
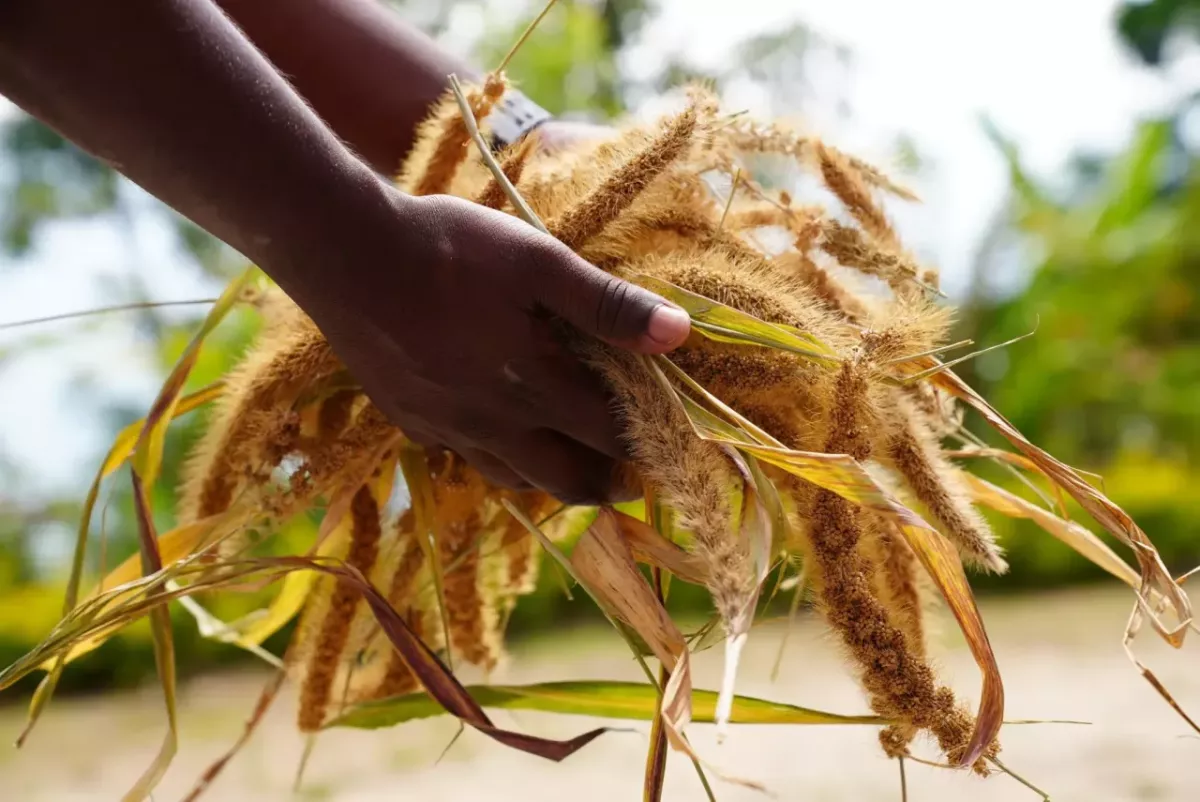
1110	382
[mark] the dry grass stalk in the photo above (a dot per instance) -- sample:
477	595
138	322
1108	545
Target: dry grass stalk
451	146
513	165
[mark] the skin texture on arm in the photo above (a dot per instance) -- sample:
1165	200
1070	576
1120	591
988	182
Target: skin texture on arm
433	303
370	76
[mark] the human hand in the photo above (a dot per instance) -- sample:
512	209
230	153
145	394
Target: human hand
448	324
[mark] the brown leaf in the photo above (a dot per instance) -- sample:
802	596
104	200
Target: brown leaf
605	565
438	680
650	547
1154	573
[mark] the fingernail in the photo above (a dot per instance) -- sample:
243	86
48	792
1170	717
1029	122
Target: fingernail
669	325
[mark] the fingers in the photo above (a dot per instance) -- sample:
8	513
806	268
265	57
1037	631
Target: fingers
605	306
564	468
493	469
559	392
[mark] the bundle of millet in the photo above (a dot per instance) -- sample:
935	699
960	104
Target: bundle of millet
637	204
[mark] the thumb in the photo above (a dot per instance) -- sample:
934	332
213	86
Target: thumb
604	306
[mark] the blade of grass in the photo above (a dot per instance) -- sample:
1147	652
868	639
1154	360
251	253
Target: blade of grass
415	468
214	628
726	324
147	456
1045	796
737	176
793	609
629	701
104	310
485	152
1131	630
529	29
164	647
1154	572
437	679
656	756
569	567
1078	537
118	453
941	349
943	366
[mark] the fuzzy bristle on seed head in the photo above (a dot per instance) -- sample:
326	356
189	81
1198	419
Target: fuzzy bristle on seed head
443	140
459	493
513	165
610	199
327	654
898	680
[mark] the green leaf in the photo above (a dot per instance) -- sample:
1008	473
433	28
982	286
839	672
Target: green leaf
147	457
633	701
726	324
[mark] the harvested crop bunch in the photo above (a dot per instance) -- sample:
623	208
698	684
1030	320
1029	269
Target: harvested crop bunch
789	428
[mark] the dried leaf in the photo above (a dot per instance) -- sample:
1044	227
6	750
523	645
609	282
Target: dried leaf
1073	534
726	324
414	466
118	453
148	454
1154	574
842	474
650	547
604	564
164	647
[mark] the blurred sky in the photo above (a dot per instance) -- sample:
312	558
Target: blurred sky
1051	75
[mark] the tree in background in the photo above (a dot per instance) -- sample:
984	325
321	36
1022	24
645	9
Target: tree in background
1111	380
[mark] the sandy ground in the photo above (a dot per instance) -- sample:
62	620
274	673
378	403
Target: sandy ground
1060	654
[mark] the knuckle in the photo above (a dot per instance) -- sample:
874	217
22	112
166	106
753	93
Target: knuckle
471	425
612	307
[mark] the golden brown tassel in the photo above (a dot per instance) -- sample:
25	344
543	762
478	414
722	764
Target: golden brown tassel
459	492
901	684
254	426
454	141
326	656
513	165
847	184
934	482
852	249
612	197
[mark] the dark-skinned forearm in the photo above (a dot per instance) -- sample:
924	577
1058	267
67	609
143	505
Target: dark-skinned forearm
172	95
371	76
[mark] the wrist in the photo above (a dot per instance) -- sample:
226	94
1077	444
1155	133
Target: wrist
334	238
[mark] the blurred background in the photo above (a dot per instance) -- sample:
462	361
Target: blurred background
1055	149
